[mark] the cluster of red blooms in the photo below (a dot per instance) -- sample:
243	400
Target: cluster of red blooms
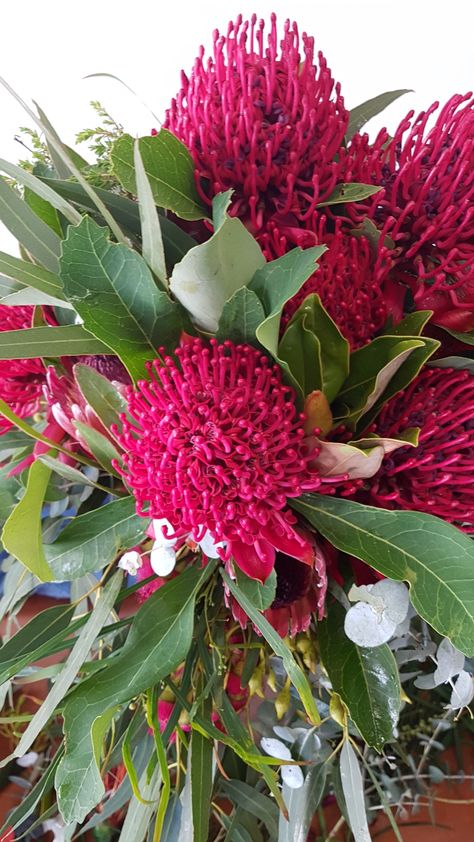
212	441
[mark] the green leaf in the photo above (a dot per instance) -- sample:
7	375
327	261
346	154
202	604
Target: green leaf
66	471
450	362
366	679
30	801
277	282
22	535
433	557
43	191
212	272
411	325
113	291
152	243
378	371
100	446
157	643
352	192
353	789
467	338
361	114
44	211
315	350
92	540
106	401
169	168
77	656
260	595
201	772
240	317
24	296
253	802
30	275
72	340
36	237
302	804
176	242
39	630
294	672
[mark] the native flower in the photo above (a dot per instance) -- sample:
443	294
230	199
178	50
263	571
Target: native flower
214	444
427	200
263	119
437	476
350	282
21	381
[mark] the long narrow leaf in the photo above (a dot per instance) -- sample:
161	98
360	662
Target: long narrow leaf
31	275
353	789
42	190
71	340
37	237
152	242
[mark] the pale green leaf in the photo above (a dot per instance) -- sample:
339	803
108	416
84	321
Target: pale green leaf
72	340
36	237
361	114
22	534
42	190
152	242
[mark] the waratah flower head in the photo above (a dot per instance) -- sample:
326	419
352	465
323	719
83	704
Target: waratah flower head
427	175
213	443
352	283
21	381
263	119
437	477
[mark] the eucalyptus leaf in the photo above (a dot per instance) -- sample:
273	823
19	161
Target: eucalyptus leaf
254	802
72	340
100	446
42	190
36	237
40	629
158	641
433	557
361	114
302	804
152	242
22	534
30	275
201	780
366	679
353	789
92	540
352	192
169	168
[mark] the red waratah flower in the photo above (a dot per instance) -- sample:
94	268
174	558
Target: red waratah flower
427	200
264	121
350	281
214	444
300	593
21	381
438	476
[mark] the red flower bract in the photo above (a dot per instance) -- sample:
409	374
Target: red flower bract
427	199
215	443
21	381
350	282
264	122
438	476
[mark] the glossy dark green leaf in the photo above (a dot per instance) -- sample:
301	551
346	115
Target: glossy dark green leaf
157	643
22	534
361	114
92	540
377	372
113	291
260	595
241	316
100	394
315	350
366	679
433	557
169	168
351	192
72	340
36	237
411	325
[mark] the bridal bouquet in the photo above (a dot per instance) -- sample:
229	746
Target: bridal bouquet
237	416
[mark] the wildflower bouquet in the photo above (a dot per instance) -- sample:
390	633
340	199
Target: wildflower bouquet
237	400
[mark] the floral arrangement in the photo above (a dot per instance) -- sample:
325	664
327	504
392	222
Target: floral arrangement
237	417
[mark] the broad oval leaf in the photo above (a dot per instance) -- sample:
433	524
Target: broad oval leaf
433	557
366	679
240	317
170	171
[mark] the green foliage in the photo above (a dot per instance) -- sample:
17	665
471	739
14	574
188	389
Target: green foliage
22	534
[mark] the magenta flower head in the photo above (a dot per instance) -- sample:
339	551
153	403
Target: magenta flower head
428	199
438	476
213	443
263	119
21	381
352	283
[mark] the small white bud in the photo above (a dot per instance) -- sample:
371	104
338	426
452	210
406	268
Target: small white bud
131	562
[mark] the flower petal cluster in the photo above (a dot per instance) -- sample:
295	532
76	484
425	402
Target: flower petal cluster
427	175
263	119
436	477
214	444
21	381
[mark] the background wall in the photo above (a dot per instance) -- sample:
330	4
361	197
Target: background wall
372	46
